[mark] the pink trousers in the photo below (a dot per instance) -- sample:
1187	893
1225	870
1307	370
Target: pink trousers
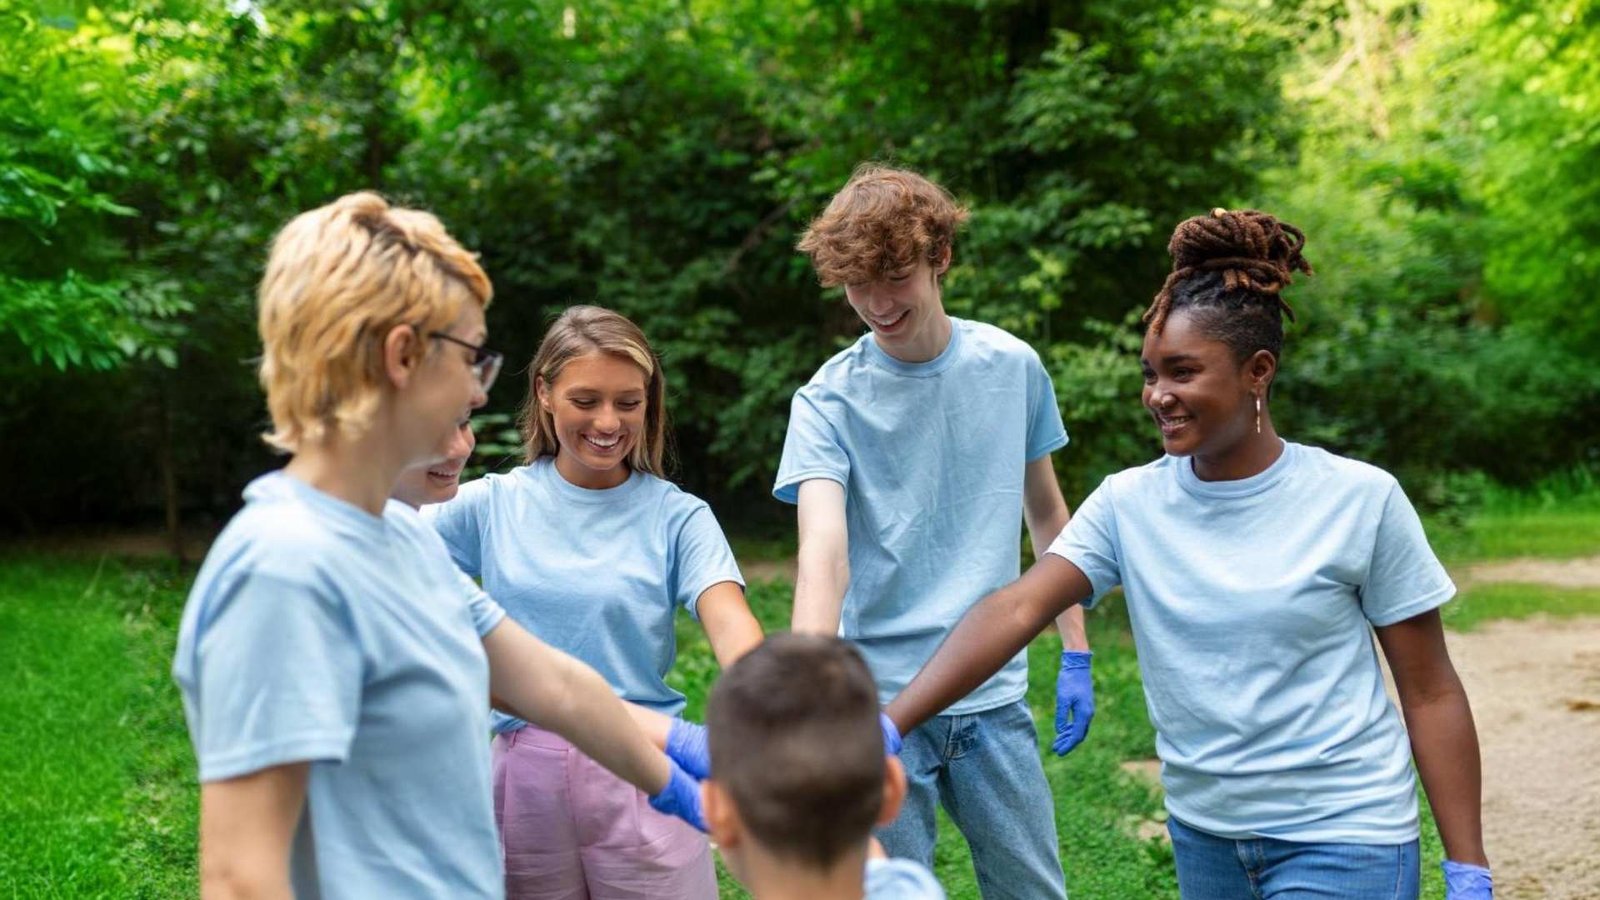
570	830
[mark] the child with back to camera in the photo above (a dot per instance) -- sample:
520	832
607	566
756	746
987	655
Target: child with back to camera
801	777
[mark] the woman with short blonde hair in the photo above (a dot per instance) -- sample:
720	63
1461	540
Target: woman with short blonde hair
333	663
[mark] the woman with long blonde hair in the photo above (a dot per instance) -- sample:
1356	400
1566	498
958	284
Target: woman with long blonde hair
593	550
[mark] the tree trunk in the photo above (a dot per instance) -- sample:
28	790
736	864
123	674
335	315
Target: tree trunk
169	474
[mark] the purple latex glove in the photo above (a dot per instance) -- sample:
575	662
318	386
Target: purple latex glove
1074	701
1465	881
891	734
681	797
688	747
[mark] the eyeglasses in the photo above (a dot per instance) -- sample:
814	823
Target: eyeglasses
485	362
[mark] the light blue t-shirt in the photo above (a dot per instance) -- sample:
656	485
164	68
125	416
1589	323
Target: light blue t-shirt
1251	603
900	879
319	633
598	574
932	457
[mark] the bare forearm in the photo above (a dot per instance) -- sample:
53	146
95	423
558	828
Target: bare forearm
1070	624
988	635
229	885
587	713
730	626
1046	517
548	687
654	725
1444	742
819	593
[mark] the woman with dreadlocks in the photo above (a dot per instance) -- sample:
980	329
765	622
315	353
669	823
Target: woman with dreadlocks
1255	570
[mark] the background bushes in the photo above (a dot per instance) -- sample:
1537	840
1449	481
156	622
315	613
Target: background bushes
660	158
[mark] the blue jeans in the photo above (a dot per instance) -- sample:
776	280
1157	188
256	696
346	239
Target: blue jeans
984	769
1215	868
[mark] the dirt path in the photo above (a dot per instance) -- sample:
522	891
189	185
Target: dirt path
1535	689
1563	573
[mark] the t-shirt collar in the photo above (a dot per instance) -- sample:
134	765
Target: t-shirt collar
1242	487
280	486
543	471
944	360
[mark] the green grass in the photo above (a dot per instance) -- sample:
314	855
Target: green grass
98	778
95	767
1484	602
1558	518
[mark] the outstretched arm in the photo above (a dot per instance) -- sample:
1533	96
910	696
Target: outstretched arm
987	636
1444	740
543	685
730	626
1046	513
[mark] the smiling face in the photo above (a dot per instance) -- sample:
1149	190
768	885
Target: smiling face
437	482
445	390
598	405
1201	397
905	311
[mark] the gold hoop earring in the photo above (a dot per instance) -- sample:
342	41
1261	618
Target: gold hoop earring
1258	414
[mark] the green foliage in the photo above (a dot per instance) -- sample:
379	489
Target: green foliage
661	157
1425	185
1558	517
1095	387
70	294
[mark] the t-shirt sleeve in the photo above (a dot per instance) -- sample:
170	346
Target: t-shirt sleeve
486	613
1405	578
1046	432
434	551
811	449
1091	543
459	522
278	677
701	558
900	879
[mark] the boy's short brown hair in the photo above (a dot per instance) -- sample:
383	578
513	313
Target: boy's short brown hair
796	745
879	225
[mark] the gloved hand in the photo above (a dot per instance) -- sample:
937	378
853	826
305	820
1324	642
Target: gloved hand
891	735
1074	701
688	747
1465	881
681	797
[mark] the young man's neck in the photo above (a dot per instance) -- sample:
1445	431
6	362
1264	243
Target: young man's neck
769	878
925	346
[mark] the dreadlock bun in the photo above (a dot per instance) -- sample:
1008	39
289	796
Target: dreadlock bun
1253	252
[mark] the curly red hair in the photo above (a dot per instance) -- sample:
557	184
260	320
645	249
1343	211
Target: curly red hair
879	225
